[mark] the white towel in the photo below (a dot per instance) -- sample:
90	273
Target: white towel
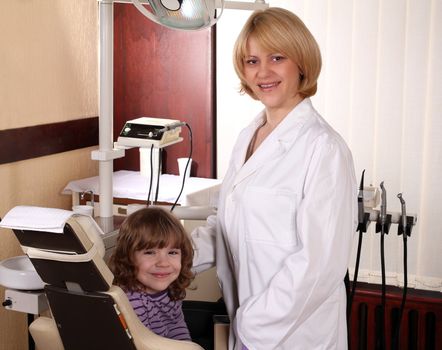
36	219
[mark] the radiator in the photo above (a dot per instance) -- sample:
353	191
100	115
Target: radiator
421	326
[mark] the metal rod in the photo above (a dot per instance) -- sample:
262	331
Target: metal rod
106	106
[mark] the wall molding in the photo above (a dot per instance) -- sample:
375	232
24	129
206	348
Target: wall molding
43	140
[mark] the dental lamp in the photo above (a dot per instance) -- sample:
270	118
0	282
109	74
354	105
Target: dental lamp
181	14
190	14
172	5
176	14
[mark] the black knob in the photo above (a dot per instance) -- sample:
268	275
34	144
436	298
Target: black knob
7	302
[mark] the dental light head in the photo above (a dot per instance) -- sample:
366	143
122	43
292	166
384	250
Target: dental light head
172	5
191	14
181	14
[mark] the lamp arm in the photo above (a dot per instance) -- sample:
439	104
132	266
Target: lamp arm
243	5
232	5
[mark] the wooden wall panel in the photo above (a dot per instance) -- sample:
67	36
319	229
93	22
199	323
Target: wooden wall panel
43	140
165	73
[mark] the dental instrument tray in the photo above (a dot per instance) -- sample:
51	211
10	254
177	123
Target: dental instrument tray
146	132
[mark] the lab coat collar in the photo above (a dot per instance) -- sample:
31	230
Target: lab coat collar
276	144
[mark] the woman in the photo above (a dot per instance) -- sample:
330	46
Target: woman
287	210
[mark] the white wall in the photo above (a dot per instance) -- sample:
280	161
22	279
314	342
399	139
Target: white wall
381	88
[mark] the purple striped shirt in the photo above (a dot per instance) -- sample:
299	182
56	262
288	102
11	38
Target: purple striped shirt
160	314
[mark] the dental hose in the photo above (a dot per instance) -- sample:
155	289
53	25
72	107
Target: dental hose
395	341
151	177
383	230
383	291
187	165
402	228
160	161
353	289
355	278
362	227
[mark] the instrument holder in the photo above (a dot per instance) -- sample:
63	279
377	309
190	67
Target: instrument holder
383	227
363	226
408	228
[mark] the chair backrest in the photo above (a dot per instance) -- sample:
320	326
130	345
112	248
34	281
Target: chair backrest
72	265
74	257
88	320
89	312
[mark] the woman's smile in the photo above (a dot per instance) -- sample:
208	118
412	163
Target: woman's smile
273	78
268	86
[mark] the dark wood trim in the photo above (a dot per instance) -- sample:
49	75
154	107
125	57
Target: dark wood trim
364	289
42	140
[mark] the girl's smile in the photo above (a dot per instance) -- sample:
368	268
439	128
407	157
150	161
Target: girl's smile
157	268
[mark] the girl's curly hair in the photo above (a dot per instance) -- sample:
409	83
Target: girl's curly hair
145	229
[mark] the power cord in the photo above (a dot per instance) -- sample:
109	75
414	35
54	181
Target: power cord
160	161
151	176
185	169
155	200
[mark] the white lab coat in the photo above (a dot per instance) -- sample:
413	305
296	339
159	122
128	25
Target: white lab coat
282	236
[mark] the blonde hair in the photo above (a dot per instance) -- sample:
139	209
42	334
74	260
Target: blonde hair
279	30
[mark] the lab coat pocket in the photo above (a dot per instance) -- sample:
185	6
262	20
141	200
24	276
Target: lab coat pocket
270	215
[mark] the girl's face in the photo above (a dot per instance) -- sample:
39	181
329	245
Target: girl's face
273	77
157	268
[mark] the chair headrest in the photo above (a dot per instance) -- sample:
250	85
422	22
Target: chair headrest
54	229
67	248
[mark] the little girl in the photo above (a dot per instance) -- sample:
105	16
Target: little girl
152	264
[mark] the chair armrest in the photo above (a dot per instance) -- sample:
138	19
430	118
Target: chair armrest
44	331
221	332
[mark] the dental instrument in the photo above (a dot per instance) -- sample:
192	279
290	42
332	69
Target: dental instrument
146	131
363	223
382	218
402	230
153	133
383	227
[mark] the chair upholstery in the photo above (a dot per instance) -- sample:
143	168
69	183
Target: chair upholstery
45	334
88	311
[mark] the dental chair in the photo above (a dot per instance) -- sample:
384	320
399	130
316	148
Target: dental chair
88	311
